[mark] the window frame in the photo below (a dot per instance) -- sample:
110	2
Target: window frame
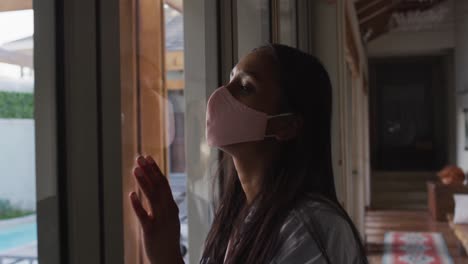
49	194
78	131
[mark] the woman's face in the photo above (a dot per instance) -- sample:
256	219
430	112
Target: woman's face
254	82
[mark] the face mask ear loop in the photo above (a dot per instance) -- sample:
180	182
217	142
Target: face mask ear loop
280	115
274	116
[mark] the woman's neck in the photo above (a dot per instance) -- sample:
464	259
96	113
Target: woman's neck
251	167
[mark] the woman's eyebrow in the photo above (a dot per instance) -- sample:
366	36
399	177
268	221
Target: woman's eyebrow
249	73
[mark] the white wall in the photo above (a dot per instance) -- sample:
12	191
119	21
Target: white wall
328	47
16	85
17	162
406	40
411	43
461	77
328	44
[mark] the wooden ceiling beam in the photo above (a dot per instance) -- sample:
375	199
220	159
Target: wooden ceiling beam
361	4
371	9
406	6
376	26
14	5
374	15
379	13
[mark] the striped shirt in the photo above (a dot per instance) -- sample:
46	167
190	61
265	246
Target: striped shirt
298	246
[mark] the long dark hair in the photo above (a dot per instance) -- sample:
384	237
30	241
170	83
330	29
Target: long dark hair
303	167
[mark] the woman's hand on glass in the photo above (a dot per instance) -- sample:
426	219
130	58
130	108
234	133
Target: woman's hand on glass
160	222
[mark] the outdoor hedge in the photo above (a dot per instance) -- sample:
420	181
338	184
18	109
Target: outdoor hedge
7	210
16	105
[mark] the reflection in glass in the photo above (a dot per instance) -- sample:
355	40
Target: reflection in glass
174	44
287	22
153	105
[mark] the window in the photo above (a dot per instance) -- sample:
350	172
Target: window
164	92
175	86
153	104
18	228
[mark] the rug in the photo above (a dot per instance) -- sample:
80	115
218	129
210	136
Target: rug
415	248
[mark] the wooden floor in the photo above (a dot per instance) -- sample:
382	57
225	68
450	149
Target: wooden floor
379	222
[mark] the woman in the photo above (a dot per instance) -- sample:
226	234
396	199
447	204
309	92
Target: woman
278	202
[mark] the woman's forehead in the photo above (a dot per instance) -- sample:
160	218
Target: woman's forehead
258	62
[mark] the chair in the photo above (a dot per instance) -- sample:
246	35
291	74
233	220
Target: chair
440	199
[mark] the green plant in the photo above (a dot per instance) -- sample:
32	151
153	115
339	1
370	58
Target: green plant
7	210
16	105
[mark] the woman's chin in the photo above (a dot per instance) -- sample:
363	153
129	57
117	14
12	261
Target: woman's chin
243	148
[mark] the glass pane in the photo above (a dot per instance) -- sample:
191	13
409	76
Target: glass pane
18	229
253	25
174	44
153	105
287	22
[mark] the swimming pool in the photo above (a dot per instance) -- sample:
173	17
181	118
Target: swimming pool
17	236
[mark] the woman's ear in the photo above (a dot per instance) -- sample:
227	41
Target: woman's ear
289	129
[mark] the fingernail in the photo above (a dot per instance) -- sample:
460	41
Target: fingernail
150	159
138	172
133	195
142	160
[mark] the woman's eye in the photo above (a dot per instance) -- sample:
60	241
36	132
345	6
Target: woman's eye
246	89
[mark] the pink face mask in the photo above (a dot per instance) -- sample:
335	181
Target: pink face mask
229	121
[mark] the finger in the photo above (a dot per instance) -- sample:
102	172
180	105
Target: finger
147	170
144	185
159	176
161	180
162	186
140	212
